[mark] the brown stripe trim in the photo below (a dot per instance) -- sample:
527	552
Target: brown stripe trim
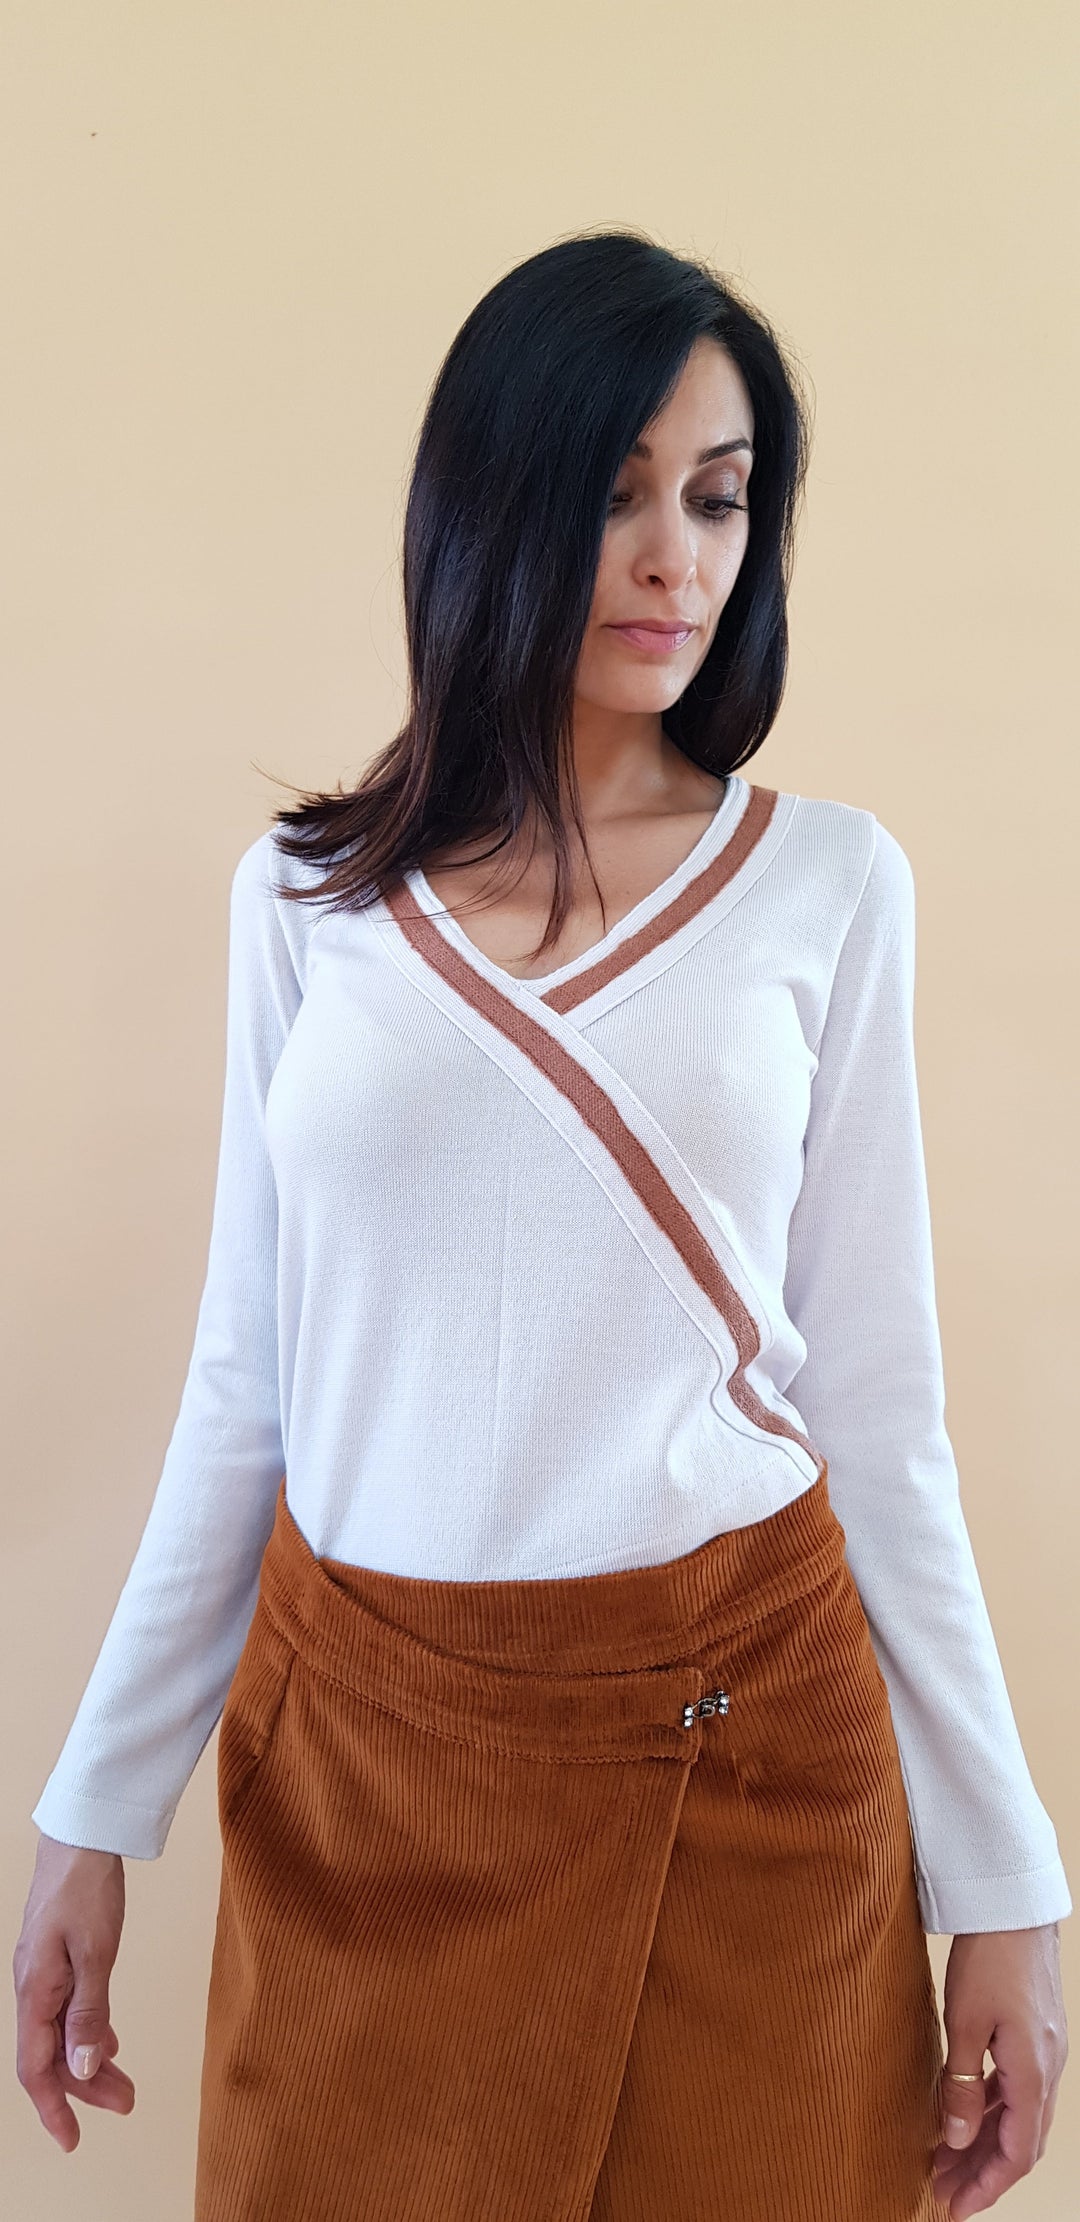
595	1107
698	891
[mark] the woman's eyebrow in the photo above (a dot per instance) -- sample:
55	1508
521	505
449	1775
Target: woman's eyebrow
641	448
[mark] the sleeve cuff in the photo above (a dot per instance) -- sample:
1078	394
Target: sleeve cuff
97	1825
967	1905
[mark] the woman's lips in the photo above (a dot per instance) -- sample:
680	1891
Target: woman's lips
660	642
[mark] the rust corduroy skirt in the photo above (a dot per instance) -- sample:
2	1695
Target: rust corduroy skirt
522	1920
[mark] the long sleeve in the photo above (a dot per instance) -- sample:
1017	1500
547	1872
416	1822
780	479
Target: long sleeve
161	1676
860	1288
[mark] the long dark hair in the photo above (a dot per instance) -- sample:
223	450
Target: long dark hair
550	380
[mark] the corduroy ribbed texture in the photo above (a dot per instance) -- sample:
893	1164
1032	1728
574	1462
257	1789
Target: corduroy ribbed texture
502	1939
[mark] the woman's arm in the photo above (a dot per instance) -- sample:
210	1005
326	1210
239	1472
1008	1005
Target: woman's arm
161	1676
860	1288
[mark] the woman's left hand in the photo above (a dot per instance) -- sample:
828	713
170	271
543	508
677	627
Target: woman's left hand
1002	1996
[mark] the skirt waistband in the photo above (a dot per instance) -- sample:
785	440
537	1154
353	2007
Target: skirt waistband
588	1666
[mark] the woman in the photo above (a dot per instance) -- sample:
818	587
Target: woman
604	1728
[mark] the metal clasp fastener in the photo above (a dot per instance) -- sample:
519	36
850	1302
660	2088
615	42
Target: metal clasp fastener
717	1701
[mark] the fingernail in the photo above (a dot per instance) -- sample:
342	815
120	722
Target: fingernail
85	2059
956	2130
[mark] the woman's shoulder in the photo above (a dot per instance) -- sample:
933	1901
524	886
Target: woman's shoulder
848	860
262	909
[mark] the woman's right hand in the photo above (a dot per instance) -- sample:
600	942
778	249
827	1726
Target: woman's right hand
67	1945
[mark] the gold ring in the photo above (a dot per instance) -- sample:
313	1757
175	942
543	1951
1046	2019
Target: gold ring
958	2078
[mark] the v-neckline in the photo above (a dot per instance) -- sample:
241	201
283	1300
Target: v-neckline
645	912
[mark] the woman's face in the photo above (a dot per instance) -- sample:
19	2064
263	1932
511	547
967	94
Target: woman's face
674	540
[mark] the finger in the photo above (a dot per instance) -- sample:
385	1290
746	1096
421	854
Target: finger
40	2045
110	2045
1048	2113
951	2169
984	2190
1014	2155
963	2102
85	2017
109	2087
1030	2095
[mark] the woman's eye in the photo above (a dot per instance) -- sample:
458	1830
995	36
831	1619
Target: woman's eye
714	506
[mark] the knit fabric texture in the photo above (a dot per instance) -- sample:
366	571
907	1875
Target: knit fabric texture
550	1277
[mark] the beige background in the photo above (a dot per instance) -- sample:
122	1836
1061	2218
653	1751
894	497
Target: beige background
237	243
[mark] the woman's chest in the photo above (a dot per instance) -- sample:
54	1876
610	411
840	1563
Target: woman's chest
392	1077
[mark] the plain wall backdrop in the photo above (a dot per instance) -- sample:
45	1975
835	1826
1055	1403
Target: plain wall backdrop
236	244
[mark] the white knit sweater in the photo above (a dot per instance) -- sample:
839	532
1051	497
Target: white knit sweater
555	1276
